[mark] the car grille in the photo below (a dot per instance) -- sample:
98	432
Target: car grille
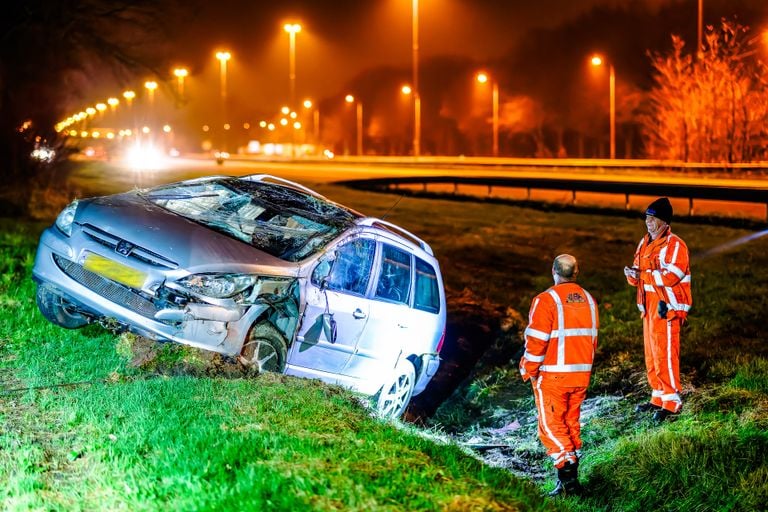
108	289
152	258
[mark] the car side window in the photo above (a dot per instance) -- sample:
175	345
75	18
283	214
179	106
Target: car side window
394	275
351	269
427	293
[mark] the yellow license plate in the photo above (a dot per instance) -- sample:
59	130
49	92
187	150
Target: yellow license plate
115	271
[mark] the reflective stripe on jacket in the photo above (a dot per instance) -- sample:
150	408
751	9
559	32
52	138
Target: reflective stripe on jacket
561	336
664	269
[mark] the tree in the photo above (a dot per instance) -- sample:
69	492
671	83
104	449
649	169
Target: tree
711	107
50	53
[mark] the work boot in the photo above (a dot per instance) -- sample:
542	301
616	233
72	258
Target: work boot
567	481
662	414
647	407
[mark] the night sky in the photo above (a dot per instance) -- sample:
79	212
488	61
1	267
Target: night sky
342	38
537	48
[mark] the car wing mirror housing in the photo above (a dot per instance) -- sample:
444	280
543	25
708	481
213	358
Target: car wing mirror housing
329	327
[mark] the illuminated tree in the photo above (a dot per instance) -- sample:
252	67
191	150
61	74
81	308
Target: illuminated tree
712	107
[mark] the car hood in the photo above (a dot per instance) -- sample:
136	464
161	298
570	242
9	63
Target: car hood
132	218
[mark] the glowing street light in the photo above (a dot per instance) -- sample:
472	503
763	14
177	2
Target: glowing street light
315	119
151	85
292	29
129	95
597	60
483	78
113	103
416	96
223	58
359	127
180	74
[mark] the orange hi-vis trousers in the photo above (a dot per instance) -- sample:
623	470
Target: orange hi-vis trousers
662	355
559	408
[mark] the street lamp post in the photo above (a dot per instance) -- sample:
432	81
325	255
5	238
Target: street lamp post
151	86
416	94
129	95
180	74
315	119
483	78
598	61
223	58
359	117
292	29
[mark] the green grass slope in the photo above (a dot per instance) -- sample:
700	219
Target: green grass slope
138	438
82	429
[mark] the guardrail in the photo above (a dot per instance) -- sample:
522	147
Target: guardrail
672	190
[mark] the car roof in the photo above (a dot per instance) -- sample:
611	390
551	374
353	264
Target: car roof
406	236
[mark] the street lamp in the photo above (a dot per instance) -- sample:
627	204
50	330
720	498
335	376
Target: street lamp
416	95
359	128
484	78
180	74
223	58
598	61
292	29
151	85
129	95
315	119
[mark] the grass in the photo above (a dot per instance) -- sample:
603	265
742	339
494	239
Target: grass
128	437
136	437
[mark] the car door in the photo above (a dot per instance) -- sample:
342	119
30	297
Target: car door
337	288
390	324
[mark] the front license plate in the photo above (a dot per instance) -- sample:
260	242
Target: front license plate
115	271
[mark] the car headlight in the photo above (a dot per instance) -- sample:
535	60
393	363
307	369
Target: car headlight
66	217
217	286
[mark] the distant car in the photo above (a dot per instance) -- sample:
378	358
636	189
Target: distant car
255	267
220	156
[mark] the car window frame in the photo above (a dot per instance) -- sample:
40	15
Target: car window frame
335	248
381	242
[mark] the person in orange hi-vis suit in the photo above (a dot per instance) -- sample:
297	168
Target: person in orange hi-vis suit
662	274
560	343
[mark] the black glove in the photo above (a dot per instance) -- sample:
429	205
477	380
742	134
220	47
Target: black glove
663	309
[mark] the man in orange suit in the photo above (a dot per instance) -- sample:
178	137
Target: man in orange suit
662	274
560	343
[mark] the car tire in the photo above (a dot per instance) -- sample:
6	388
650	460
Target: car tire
395	394
265	349
57	310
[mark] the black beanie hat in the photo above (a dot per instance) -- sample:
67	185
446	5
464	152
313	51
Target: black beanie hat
661	209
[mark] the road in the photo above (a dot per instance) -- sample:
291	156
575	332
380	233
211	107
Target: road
116	177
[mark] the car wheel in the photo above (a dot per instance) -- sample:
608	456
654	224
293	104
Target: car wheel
396	393
57	310
265	349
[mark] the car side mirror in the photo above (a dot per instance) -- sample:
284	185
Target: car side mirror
329	327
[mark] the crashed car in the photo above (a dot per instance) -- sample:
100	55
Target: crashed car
258	268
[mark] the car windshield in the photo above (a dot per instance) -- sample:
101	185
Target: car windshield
280	221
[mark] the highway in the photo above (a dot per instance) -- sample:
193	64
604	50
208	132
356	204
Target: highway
117	177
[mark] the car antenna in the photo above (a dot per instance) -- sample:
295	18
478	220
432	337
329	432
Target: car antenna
383	217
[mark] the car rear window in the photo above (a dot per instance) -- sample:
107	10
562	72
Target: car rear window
427	296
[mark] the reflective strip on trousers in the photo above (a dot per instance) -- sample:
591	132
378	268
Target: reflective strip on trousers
543	416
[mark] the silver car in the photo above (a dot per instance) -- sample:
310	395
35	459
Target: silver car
255	267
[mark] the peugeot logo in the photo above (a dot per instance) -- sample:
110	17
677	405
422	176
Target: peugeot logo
124	247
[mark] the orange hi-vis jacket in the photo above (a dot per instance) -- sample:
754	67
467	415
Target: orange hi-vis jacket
664	269
561	336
